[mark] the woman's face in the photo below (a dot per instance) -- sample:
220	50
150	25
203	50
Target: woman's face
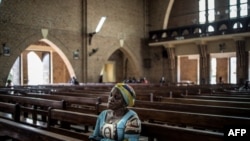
115	100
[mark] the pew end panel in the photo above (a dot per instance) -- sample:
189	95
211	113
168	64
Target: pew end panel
10	111
71	123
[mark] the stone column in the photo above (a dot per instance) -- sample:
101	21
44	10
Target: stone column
242	61
172	64
84	43
204	64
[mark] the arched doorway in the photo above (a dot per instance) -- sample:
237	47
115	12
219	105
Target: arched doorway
41	62
34	69
119	67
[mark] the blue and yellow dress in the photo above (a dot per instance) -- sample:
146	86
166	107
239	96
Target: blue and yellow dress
126	129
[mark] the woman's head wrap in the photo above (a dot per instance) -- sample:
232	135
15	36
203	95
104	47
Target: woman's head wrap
127	92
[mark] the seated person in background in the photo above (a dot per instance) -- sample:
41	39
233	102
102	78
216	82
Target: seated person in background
246	84
220	80
9	83
118	123
74	81
145	80
162	80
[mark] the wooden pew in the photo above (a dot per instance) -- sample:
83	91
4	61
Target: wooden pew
188	119
85	93
73	124
10	111
10	130
93	104
102	96
205	102
151	130
148	118
91	91
33	101
195	108
23	132
82	94
33	106
226	94
236	91
24	89
222	98
171	133
73	103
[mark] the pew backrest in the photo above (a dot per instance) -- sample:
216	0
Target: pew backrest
32	108
27	133
196	120
172	133
206	102
219	98
10	111
33	101
195	108
73	103
150	130
67	119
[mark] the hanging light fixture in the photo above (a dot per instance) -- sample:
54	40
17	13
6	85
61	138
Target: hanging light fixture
98	28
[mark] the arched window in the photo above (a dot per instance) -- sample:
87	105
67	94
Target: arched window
164	35
197	30
223	27
185	32
174	34
210	29
237	25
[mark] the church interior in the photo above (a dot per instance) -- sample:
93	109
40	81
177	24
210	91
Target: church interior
188	62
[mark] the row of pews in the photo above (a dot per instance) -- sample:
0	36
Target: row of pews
167	113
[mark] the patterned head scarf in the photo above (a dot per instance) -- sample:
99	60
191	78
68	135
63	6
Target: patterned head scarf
127	92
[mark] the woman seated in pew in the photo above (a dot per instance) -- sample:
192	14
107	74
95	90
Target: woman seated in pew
118	123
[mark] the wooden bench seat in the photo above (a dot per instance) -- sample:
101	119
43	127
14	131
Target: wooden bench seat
188	119
33	108
102	95
83	94
32	101
10	111
222	98
73	103
68	122
206	102
171	133
23	132
150	130
195	108
226	94
161	124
